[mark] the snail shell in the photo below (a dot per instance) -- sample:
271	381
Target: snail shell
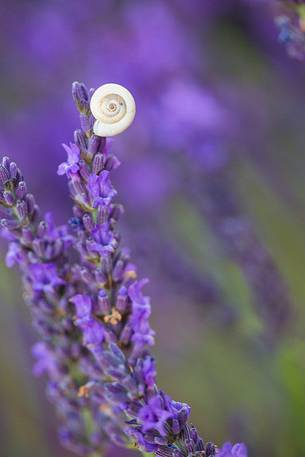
114	109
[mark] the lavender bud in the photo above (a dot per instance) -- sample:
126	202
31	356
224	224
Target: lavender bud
84	170
3	223
42	229
107	264
189	445
98	163
122	300
210	450
13	170
21	190
4	175
118	353
117	273
80	139
77	186
21	208
110	337
81	97
88	222
6	163
126	334
200	443
102	145
94	144
102	215
177	453
9	224
164	452
85	122
100	276
109	361
57	248
112	163
133	408
104	306
175	426
27	236
85	276
31	204
73	193
9	198
150	438
19	176
183	415
116	392
193	434
161	441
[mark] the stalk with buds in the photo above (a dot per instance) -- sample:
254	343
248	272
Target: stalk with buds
88	304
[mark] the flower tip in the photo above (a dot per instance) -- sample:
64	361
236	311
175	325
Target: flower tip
81	97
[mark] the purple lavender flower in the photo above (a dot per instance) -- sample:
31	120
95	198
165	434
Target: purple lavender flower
44	277
71	166
152	418
41	250
93	333
100	188
83	306
91	313
45	361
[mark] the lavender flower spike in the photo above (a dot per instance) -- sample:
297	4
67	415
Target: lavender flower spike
115	316
92	316
41	252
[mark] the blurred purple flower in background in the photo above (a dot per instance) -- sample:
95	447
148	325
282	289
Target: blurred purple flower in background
228	450
291	24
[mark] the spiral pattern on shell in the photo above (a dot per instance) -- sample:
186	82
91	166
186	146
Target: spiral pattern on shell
114	109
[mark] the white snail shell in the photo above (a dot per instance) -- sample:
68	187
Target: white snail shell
114	109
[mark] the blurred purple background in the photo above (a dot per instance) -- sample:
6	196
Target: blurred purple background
212	180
